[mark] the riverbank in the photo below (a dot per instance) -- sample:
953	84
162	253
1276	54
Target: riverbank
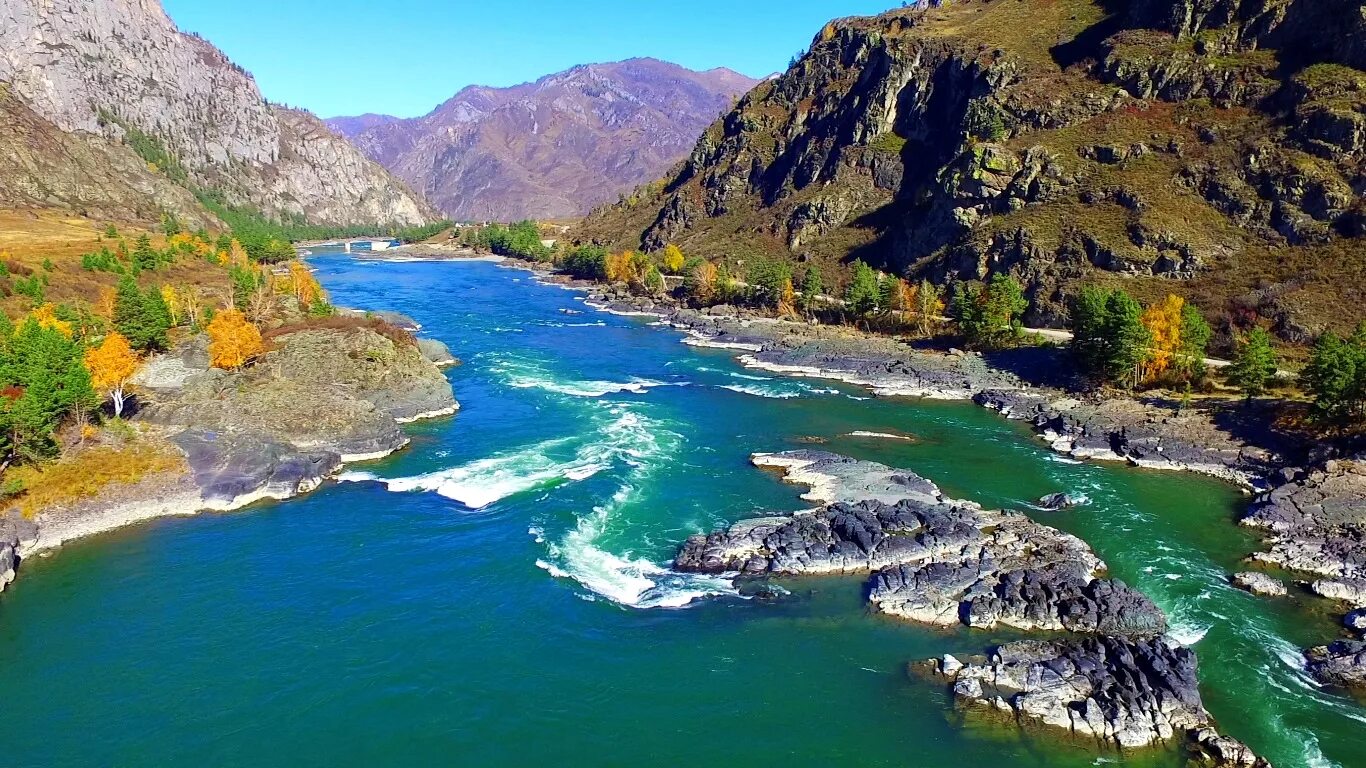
322	398
1310	507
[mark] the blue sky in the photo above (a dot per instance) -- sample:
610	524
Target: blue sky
403	57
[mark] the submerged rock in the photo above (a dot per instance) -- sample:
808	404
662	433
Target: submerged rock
1056	501
1122	692
932	560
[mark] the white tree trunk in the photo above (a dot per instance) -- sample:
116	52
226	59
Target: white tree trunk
116	395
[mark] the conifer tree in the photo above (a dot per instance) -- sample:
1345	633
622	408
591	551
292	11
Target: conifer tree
1254	365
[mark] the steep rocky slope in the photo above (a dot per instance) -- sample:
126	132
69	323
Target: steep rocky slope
1211	148
121	69
553	148
42	166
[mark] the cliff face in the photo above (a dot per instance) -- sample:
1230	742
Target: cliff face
107	66
553	148
1211	148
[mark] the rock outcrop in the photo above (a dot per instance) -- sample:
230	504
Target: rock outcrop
1341	663
42	166
932	560
275	429
1315	524
553	148
16	534
1259	584
1123	693
121	69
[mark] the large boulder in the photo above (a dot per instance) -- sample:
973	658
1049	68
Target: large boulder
1341	662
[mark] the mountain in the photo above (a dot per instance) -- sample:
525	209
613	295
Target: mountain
553	148
1211	148
120	70
42	166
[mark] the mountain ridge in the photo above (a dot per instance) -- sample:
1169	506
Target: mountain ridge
1210	148
122	70
552	147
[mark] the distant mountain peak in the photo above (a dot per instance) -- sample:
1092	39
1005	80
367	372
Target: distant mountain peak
554	147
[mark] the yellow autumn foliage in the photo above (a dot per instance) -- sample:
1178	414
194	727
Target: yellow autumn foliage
673	259
232	340
1163	321
45	316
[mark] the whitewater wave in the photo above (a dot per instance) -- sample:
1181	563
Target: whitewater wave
758	391
623	579
522	374
628	439
485	481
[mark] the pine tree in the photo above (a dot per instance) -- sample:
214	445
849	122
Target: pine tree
142	318
811	288
1254	366
1127	340
1089	345
144	256
862	295
1195	336
1336	375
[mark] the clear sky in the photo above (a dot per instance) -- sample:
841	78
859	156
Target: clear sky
403	57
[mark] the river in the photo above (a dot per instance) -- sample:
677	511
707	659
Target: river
495	594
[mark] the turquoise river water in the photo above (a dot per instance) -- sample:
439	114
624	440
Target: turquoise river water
495	594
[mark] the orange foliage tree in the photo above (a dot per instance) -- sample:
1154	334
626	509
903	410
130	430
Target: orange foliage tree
1163	321
232	340
787	299
111	365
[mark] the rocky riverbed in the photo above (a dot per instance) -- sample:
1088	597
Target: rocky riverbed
277	428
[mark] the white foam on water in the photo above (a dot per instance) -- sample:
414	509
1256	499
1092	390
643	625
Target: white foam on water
522	374
623	579
482	482
758	391
1062	459
1187	634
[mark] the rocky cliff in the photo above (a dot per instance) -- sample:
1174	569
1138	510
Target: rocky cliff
553	148
1211	148
121	69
